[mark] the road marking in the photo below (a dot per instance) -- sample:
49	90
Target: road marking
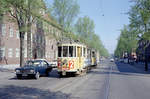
108	83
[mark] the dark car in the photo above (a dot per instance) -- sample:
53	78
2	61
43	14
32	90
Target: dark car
34	68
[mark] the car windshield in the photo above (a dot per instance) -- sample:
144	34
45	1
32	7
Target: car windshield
33	63
36	63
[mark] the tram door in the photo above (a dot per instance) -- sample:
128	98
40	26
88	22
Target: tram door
79	56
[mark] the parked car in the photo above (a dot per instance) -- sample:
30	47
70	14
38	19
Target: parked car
121	60
34	68
53	63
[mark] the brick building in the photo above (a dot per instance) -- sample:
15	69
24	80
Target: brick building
44	44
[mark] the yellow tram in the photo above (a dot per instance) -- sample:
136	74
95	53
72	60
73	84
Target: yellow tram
71	58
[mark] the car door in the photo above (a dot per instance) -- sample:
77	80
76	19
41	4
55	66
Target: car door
43	67
48	66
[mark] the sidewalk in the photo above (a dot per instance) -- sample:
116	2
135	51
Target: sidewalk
9	67
141	66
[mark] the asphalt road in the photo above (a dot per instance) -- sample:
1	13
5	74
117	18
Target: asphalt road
108	81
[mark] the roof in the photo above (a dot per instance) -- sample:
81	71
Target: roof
69	42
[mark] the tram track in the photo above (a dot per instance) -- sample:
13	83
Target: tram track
107	83
73	83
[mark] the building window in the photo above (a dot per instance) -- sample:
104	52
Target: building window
52	47
17	34
25	53
49	42
11	32
17	52
31	37
3	29
46	55
10	52
25	36
2	52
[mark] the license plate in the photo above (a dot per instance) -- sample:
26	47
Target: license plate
24	75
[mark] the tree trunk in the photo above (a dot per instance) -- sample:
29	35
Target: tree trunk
22	48
146	58
29	45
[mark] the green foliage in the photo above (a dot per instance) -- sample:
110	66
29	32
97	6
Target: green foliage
127	42
22	12
65	11
139	16
85	31
85	27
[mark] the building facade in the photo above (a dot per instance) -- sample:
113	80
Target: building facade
44	44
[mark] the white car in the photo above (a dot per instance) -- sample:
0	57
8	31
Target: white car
112	60
53	63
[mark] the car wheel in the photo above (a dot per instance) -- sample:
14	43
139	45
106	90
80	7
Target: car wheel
48	71
19	77
37	75
60	75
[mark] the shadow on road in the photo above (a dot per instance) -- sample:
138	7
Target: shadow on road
16	92
131	70
53	74
121	69
127	68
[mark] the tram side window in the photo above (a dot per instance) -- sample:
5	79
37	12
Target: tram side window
74	51
59	51
84	52
70	51
65	51
79	51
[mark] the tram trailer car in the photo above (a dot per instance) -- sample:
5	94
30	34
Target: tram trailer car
93	58
72	58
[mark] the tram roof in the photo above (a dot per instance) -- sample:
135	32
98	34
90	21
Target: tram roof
70	42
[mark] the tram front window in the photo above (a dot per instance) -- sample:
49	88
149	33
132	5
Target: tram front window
70	51
59	51
65	51
93	54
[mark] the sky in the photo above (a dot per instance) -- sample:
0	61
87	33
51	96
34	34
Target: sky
109	17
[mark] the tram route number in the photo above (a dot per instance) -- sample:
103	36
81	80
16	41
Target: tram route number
71	64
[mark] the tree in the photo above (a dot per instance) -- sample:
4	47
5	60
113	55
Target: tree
139	16
65	11
85	31
20	11
127	42
85	28
33	11
17	12
140	20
